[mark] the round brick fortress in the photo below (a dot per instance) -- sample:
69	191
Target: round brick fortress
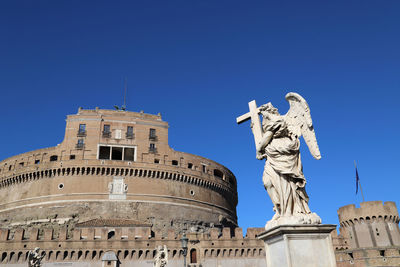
116	164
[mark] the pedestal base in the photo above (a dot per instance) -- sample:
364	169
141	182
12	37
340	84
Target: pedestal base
299	246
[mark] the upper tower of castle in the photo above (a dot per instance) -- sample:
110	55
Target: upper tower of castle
116	164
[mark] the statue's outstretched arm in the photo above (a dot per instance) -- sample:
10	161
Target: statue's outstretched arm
266	138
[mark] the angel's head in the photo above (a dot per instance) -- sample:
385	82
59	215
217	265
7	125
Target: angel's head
268	109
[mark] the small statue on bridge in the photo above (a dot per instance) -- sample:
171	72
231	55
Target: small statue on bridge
34	258
161	258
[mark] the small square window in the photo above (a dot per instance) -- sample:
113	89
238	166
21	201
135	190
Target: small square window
190	165
175	162
37	161
116	153
156	161
129	154
104	152
71	156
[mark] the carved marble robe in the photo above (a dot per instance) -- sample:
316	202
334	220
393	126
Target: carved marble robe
283	176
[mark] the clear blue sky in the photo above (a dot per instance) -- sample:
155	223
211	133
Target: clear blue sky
199	63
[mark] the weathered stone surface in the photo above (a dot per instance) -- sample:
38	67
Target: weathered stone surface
299	246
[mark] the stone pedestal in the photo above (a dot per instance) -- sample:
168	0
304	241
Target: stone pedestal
299	246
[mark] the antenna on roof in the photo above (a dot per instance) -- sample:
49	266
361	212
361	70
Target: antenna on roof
123	107
125	89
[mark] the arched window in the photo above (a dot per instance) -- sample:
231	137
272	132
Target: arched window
111	234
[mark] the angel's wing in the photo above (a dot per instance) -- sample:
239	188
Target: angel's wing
299	122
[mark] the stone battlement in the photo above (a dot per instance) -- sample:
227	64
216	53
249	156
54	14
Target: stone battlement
118	233
128	243
370	210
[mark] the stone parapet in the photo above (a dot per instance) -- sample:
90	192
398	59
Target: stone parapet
129	243
369	210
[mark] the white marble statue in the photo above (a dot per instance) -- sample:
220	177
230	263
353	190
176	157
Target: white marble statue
34	258
161	258
277	141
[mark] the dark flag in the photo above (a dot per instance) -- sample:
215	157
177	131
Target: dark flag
357	180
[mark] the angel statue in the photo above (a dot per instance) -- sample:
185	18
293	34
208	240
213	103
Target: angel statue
161	258
34	258
277	141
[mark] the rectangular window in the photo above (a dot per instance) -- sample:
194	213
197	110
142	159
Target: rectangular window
129	129
204	168
152	148
104	152
129	132
71	157
80	144
106	131
116	153
37	161
82	130
152	135
129	154
82	127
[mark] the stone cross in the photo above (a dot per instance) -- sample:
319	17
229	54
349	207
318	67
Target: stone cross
253	114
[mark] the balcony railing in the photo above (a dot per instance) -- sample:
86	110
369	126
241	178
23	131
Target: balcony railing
152	149
106	134
153	138
130	135
80	146
81	133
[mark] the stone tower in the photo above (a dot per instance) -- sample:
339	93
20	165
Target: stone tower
374	224
369	235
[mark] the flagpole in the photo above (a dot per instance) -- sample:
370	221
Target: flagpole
359	183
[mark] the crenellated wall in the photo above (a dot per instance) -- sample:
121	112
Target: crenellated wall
374	224
88	244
